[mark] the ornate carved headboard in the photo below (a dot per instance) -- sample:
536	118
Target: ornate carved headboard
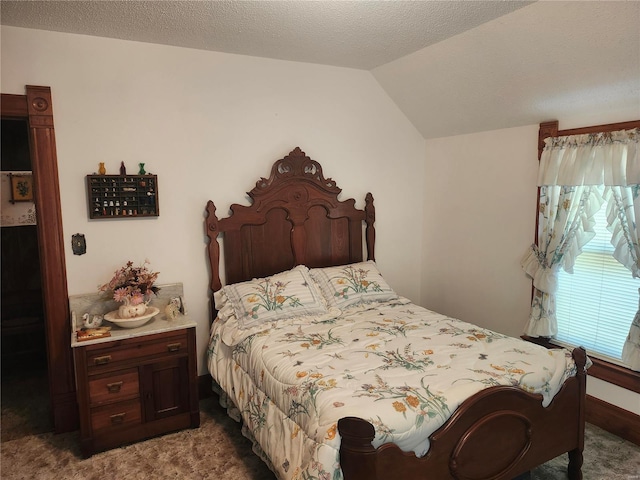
295	219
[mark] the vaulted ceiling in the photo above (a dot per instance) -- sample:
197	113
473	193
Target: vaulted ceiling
451	66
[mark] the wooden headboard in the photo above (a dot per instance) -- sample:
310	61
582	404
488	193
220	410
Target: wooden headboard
295	219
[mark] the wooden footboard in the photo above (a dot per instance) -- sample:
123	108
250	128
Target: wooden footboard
499	433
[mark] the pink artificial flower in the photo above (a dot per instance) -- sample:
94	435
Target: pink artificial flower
136	297
120	294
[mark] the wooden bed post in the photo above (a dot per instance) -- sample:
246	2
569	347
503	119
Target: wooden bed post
214	246
357	455
370	218
574	469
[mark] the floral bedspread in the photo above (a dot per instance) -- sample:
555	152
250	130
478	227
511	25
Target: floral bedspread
403	368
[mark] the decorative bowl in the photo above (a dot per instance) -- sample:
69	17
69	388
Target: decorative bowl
134	322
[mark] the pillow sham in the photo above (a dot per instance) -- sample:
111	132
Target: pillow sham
346	286
284	295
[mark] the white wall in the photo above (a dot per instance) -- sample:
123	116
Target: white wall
210	125
480	207
479	219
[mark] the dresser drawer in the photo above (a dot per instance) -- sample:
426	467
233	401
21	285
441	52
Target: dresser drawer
135	348
114	387
115	416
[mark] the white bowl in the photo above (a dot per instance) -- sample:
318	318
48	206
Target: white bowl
134	322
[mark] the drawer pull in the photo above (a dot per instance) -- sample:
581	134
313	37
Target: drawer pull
173	347
114	387
117	419
102	360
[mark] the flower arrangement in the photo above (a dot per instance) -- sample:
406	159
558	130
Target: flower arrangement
132	285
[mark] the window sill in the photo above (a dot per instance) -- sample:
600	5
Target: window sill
606	371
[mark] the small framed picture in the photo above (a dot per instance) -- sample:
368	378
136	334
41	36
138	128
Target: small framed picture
21	188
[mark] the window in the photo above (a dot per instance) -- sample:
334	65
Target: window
595	304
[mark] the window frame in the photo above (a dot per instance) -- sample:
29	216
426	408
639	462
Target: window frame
607	371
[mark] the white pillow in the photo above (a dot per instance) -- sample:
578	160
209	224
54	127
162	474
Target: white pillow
355	284
289	294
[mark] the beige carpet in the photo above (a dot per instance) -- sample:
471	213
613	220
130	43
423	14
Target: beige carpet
216	450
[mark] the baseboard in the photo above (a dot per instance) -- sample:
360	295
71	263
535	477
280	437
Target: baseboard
613	419
204	386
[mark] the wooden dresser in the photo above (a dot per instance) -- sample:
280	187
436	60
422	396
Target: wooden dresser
136	384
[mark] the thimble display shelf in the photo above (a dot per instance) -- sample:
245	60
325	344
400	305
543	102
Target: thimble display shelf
122	196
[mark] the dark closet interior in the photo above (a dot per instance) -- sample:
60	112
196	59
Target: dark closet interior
23	349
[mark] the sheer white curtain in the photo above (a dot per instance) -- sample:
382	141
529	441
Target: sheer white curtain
623	218
569	167
565	226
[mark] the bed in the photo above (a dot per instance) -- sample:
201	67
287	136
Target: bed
336	376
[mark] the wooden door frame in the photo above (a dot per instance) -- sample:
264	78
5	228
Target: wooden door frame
36	106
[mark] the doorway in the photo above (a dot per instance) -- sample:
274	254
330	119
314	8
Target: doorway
37	110
23	349
23	358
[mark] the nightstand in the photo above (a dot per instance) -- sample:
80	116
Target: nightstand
136	384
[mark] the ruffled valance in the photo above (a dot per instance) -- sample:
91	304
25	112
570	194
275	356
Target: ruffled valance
611	158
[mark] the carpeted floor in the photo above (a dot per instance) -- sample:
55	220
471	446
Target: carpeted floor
216	450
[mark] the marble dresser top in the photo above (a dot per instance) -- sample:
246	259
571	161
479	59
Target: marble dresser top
97	304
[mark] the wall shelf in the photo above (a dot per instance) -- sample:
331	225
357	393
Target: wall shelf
122	196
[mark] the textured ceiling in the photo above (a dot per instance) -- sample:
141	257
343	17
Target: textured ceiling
357	34
578	61
453	67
